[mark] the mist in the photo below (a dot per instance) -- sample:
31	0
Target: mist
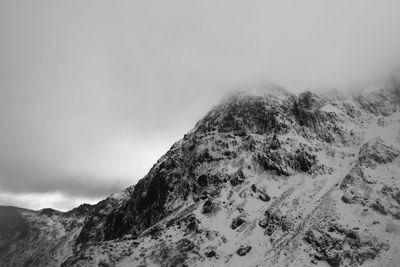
92	93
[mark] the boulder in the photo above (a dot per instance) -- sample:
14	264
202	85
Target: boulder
238	221
208	206
243	250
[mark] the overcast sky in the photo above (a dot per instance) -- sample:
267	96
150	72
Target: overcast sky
92	93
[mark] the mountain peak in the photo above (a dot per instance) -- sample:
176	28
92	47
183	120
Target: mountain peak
265	178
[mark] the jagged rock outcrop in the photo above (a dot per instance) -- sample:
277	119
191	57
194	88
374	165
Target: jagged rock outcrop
376	152
262	180
35	238
272	222
340	247
359	187
380	102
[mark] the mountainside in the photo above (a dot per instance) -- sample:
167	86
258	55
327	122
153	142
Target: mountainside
264	179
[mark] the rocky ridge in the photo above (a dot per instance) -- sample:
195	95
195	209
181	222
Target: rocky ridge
263	179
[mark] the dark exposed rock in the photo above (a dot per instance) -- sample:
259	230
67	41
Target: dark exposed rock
348	198
275	143
335	251
103	263
261	194
396	215
196	198
204	195
356	187
326	246
50	212
308	101
210	253
334	260
305	160
185	245
284	162
102	212
82	210
112	219
377	206
307	112
238	178
253	188
205	156
243	113
189	222
243	250
238	221
178	260
272	221
376	152
202	180
154	231
387	190
354	178
155	193
359	187
381	102
264	196
208	206
271	162
396	196
12	224
192	224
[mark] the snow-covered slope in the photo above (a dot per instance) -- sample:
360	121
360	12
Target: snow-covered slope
262	180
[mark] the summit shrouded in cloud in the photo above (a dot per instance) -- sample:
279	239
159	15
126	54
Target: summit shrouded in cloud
265	178
93	93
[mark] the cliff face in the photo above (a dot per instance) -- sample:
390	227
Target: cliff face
262	179
37	238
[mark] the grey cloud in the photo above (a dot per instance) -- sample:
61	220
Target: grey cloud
22	180
93	92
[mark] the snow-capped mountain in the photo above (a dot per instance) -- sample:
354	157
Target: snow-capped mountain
264	179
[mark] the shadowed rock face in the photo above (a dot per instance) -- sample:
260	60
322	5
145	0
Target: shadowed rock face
14	228
284	162
12	224
359	188
243	250
179	173
325	125
242	114
377	152
272	221
260	166
381	102
338	246
29	238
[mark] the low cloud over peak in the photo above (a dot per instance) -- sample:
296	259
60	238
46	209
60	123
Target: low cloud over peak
92	94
